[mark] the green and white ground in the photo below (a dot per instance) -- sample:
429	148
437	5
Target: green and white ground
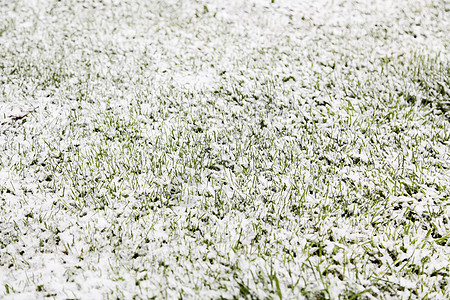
225	149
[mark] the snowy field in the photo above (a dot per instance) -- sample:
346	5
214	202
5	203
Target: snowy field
225	149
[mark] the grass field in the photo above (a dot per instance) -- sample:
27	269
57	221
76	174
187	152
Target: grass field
225	149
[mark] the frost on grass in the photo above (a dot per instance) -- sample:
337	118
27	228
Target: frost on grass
237	150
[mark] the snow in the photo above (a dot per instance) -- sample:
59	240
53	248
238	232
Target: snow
158	149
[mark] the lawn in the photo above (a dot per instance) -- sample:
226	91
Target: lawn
224	149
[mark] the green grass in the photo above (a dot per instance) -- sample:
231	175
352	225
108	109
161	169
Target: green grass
189	150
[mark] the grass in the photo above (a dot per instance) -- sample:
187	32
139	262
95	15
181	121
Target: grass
205	150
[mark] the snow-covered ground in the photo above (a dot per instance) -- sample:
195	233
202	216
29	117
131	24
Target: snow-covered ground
225	149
